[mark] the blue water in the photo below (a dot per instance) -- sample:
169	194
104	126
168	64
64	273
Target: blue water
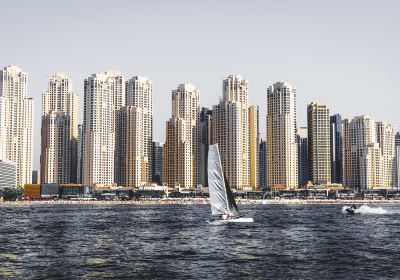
141	242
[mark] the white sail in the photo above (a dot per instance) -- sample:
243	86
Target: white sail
216	183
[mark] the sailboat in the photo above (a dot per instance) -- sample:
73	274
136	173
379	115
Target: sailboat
223	206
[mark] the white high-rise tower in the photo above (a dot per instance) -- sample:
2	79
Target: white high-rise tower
16	122
104	95
59	131
134	134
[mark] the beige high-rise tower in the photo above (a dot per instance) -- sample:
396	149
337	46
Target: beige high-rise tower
56	148
134	134
385	134
104	95
281	136
366	155
181	149
58	160
16	122
231	132
318	122
254	146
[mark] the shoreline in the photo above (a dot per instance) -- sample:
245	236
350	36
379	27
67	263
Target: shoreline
197	201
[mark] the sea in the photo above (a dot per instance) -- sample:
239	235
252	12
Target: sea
176	242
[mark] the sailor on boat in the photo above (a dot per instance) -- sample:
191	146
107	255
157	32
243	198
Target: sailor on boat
223	205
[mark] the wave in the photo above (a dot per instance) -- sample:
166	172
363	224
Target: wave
364	209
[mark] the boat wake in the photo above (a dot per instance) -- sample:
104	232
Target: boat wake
364	209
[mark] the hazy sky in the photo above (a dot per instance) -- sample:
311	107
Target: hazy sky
344	53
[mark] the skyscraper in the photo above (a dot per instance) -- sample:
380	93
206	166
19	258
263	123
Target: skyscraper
231	132
55	158
79	155
181	149
319	143
134	134
157	162
397	139
104	95
16	122
131	168
254	146
302	155
367	153
205	141
59	147
263	165
396	168
281	136
358	133
336	149
385	137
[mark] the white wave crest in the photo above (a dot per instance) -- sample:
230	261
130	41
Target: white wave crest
364	209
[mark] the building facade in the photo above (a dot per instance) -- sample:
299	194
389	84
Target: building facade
181	151
157	162
281	136
263	165
134	134
336	149
254	146
368	152
318	121
8	174
56	154
104	94
385	137
16	123
58	158
302	155
131	167
205	141
231	132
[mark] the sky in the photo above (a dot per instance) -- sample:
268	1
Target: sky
343	53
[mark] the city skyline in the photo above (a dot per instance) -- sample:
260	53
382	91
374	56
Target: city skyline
340	62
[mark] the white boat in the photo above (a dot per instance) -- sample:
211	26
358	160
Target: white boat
223	205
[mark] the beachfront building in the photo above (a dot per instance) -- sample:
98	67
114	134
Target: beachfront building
157	162
59	131
181	149
385	137
205	131
302	156
281	136
56	148
367	153
104	95
16	123
8	174
79	155
254	146
130	165
134	135
263	164
231	131
358	133
336	150
396	164
318	121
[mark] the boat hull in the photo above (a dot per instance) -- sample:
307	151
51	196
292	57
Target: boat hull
235	220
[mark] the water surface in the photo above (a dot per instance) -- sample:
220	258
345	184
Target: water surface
174	241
